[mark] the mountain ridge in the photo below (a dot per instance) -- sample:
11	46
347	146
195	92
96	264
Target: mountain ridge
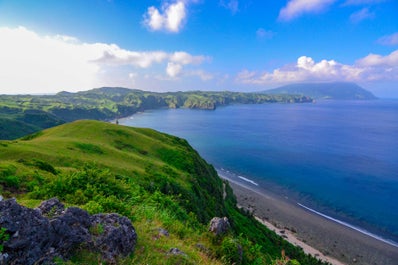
332	90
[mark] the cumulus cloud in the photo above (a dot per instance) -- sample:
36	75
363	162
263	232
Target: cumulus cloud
370	68
231	5
375	60
296	8
45	64
171	17
389	39
173	69
361	15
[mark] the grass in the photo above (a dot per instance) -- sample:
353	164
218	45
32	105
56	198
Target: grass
156	180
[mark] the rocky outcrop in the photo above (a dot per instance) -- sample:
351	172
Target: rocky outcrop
219	226
37	236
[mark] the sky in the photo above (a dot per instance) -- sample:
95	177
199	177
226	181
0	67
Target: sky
48	46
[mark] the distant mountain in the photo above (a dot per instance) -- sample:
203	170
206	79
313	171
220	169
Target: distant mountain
336	90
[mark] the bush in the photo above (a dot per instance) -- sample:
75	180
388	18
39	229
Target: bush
45	166
231	251
93	207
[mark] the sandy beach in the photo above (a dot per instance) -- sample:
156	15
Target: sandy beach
318	236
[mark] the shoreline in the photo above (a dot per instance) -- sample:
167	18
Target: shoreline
317	235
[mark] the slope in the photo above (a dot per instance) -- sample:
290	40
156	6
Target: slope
156	180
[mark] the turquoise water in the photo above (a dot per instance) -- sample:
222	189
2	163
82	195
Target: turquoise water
339	158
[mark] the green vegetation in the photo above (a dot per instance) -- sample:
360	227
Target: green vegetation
3	237
154	179
25	114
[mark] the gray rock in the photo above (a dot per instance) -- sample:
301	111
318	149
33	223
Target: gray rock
71	230
36	239
114	236
163	232
176	251
219	226
51	208
33	233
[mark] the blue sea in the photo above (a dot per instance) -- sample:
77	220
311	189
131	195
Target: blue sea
337	158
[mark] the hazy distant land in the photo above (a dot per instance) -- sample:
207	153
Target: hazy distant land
334	90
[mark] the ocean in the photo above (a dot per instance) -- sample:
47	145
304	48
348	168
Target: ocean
338	159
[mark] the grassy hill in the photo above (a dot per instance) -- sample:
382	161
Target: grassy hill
334	90
24	114
156	180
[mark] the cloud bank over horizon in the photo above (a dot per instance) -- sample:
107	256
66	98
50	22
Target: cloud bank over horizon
48	64
371	68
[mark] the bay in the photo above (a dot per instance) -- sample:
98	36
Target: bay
339	158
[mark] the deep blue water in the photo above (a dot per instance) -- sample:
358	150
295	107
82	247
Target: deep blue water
337	157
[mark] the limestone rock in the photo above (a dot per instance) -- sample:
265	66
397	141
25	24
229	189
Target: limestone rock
176	251
219	225
115	235
36	239
51	208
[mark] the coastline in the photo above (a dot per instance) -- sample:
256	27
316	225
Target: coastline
323	238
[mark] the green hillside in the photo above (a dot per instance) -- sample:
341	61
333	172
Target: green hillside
156	180
334	90
24	114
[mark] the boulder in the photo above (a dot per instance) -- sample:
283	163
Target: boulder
114	236
219	226
51	208
31	234
39	235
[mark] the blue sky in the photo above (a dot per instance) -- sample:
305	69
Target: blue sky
168	45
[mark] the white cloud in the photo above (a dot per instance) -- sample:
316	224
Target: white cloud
173	69
205	76
389	39
171	17
370	68
232	5
361	15
376	60
186	58
296	8
362	2
113	55
31	63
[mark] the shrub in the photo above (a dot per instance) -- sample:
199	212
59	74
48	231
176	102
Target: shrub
93	207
